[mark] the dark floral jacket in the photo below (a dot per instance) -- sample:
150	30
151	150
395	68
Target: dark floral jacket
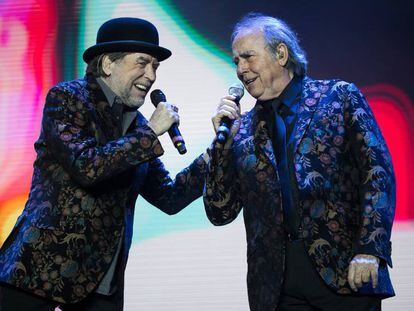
346	191
85	183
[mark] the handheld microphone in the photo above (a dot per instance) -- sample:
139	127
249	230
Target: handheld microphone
158	96
223	131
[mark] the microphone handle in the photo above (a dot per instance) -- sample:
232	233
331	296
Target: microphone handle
158	96
224	130
177	139
225	126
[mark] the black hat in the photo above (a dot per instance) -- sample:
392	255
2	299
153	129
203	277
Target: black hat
127	34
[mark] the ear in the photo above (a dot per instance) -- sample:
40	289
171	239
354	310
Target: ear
106	64
282	54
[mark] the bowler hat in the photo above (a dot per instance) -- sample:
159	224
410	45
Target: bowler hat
127	34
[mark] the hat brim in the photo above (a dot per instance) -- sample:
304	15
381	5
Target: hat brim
126	46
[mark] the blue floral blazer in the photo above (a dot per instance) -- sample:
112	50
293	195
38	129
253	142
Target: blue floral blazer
85	183
346	191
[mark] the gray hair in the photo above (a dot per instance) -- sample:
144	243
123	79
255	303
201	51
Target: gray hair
95	64
275	32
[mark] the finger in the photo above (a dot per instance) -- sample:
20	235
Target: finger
171	107
358	276
176	118
218	118
351	275
374	277
162	106
229	97
228	102
230	110
366	275
224	113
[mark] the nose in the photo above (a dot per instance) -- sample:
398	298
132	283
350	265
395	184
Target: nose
242	67
150	73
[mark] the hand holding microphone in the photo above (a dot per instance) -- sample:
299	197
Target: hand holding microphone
164	118
228	111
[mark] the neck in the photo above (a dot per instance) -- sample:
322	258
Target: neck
108	83
282	83
285	80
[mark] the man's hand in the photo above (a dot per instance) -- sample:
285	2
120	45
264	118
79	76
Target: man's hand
362	269
227	108
163	117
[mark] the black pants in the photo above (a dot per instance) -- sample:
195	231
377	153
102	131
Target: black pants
14	299
304	289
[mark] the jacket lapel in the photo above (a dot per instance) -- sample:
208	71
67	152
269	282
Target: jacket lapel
305	112
108	129
261	138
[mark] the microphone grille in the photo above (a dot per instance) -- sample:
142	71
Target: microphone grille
157	96
236	90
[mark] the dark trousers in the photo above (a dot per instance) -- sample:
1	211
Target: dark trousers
14	299
304	290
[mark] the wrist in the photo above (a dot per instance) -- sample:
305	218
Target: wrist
153	127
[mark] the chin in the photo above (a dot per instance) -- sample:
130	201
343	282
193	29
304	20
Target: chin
264	97
257	96
135	103
253	94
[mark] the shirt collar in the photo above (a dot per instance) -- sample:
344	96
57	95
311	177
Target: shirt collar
109	94
288	96
292	90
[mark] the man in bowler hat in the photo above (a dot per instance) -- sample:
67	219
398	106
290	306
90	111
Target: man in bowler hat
96	153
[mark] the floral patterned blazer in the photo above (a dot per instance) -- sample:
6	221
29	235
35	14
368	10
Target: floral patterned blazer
85	183
346	189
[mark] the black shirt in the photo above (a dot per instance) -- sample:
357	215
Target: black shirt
288	103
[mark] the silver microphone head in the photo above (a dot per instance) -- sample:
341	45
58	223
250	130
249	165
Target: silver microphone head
236	90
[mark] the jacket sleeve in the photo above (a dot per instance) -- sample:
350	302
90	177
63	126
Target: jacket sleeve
222	199
171	196
376	178
69	137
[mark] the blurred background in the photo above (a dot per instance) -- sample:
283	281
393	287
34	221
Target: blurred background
182	262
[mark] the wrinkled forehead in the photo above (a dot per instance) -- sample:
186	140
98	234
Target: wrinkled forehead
248	40
243	32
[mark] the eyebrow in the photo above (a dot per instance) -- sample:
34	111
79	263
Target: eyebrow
147	59
247	53
244	54
144	58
